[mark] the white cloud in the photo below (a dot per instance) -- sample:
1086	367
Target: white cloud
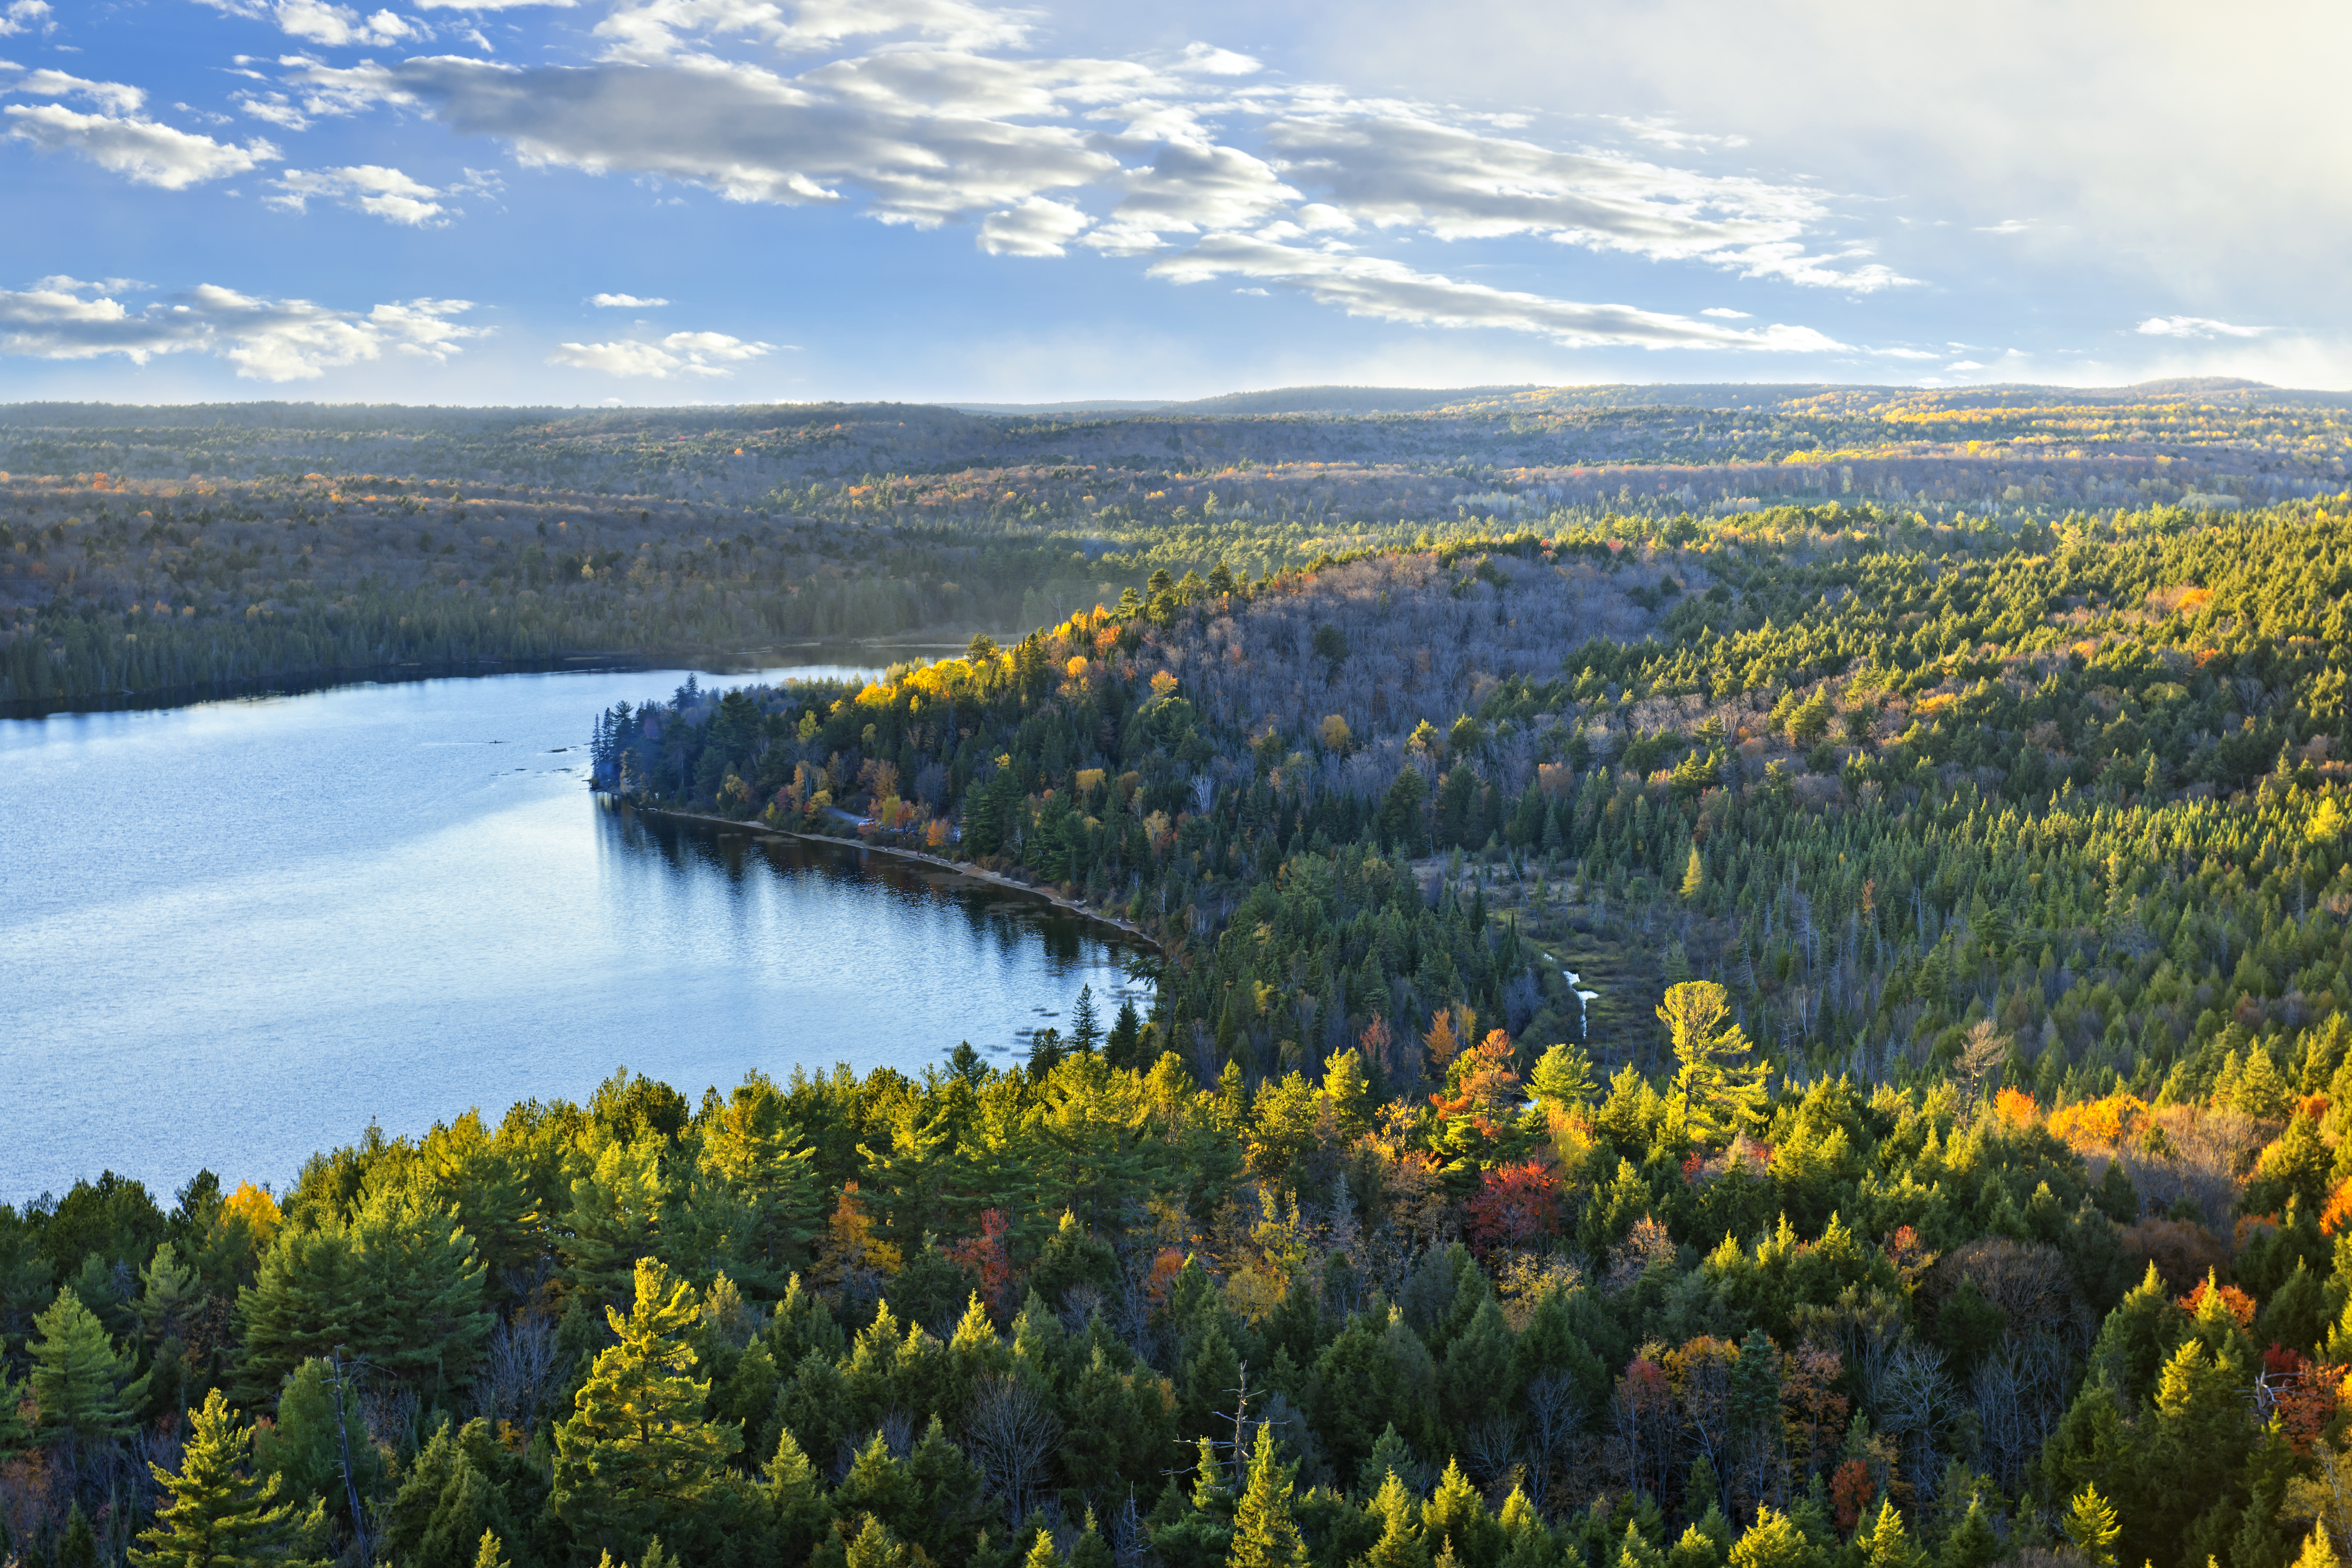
267	339
340	26
139	150
623	303
2148	139
2006	225
371	188
1124	157
1036	227
1399	168
328	24
680	353
1209	60
113	97
63	283
1964	364
1389	290
749	135
24	15
1193	186
274	107
422	328
1661	131
657	29
489	4
2194	327
1726	311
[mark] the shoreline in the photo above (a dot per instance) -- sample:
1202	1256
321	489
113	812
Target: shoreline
958	867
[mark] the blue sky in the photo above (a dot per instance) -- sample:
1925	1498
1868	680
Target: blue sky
675	201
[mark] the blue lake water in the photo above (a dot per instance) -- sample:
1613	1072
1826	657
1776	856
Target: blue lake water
233	933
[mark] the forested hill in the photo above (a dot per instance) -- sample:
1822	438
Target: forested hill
1950	1165
158	554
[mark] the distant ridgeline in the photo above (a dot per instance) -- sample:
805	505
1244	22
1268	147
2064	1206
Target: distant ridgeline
171	552
1951	1167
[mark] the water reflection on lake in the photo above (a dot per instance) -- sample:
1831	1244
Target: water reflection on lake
231	933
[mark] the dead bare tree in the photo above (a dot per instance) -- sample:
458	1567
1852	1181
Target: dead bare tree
1914	1398
1556	1407
1011	1434
1981	1056
517	1369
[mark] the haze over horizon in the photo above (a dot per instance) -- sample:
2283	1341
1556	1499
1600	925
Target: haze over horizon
663	202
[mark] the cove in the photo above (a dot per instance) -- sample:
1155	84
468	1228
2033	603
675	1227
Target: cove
233	933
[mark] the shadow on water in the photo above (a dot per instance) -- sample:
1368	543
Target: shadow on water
1008	923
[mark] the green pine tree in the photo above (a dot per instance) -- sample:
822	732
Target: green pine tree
1265	1533
1886	1545
794	1501
216	1515
613	1218
637	1451
2091	1525
1972	1543
77	1546
1719	1090
1774	1541
1400	1545
490	1553
81	1382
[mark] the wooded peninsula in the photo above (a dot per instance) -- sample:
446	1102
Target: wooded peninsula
1693	1024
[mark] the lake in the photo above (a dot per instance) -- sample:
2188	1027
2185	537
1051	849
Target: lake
232	933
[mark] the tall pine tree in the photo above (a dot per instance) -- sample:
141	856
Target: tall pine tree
216	1515
636	1453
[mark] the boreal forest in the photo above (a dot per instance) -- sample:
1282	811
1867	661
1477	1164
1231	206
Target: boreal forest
1795	1028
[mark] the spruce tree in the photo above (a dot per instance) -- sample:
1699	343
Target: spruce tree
81	1382
2091	1525
1886	1545
1265	1533
1085	1026
637	1451
794	1502
216	1515
489	1553
613	1218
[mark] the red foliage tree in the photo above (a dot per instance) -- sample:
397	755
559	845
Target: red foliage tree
989	1255
1515	1205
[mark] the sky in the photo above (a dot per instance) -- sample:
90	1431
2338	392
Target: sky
592	202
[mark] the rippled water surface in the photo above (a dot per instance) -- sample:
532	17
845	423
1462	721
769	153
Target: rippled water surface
232	933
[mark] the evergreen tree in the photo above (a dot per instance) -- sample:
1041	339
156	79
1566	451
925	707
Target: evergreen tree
613	1218
794	1501
217	1516
1774	1541
81	1382
2091	1525
77	1546
489	1553
1886	1545
636	1452
1265	1533
1085	1028
1400	1545
1125	1040
1972	1543
305	1446
1718	1090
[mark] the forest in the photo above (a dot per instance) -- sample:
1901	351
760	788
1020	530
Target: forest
1807	1037
155	554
